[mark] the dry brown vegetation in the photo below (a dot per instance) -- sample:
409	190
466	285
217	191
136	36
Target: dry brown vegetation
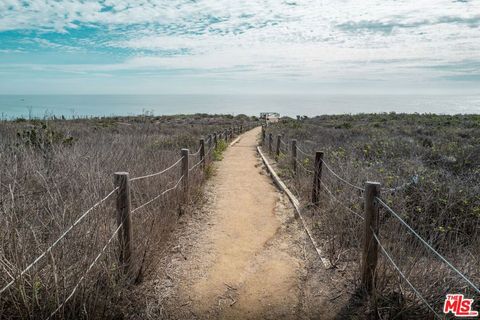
433	163
52	171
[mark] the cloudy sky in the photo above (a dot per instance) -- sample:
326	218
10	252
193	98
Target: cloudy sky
219	46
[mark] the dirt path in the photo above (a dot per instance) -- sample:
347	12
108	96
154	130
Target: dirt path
244	256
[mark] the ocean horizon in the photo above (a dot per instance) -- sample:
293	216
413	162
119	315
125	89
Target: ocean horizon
41	106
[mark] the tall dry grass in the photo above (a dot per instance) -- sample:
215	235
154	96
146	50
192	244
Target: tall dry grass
434	161
52	171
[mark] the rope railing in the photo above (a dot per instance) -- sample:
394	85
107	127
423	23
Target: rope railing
340	202
196	153
158	196
306	154
303	167
210	149
158	173
49	249
426	244
370	217
72	293
382	248
122	191
195	165
340	178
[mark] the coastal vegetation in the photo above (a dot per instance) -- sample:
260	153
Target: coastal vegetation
429	169
52	171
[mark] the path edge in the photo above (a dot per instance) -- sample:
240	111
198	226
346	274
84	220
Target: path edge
296	204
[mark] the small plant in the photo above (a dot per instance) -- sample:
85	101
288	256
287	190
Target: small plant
219	149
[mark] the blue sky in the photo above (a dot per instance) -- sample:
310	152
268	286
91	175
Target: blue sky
219	46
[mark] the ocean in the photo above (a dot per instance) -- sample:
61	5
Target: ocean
14	106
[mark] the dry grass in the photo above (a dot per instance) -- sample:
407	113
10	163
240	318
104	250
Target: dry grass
52	171
443	206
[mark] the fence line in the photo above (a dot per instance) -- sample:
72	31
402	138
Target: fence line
44	253
196	153
87	271
340	178
383	204
403	275
305	153
303	167
124	213
158	196
158	173
340	202
196	165
372	203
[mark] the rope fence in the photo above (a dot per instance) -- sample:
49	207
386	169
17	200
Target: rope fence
122	191
372	204
158	173
64	234
158	196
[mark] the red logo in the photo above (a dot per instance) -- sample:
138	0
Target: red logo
459	306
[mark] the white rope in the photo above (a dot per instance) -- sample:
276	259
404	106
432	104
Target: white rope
211	148
303	167
304	153
86	272
427	244
158	196
196	165
340	178
404	277
56	241
198	151
340	202
158	173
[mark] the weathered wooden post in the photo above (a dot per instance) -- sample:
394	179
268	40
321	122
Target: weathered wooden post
226	135
294	156
263	134
202	152
122	182
241	128
279	140
185	173
215	139
270	141
317	176
370	245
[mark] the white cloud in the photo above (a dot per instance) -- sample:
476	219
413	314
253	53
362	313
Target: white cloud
320	40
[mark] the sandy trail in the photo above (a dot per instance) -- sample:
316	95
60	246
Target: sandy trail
248	257
262	276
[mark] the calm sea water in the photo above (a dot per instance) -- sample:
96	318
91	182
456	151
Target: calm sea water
12	106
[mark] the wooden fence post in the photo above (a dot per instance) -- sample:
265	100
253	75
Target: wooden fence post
215	139
241	128
226	135
122	182
270	141
202	152
370	246
263	134
279	140
294	156
185	172
317	176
